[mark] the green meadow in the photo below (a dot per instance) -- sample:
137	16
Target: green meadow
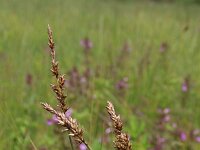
163	42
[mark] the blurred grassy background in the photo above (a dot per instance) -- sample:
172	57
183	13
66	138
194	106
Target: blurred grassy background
109	24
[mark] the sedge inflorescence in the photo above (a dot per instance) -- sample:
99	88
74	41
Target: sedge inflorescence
69	123
122	141
61	116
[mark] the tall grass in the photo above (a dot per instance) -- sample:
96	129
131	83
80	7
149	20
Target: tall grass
154	78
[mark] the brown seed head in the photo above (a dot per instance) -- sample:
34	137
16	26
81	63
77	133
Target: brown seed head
122	141
59	87
117	123
51	42
69	123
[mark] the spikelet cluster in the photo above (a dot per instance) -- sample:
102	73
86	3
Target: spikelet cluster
58	88
122	141
68	123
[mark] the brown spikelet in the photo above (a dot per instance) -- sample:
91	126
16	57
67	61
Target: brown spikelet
69	123
122	141
60	80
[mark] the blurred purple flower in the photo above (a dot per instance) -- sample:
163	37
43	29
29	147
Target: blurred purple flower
158	142
196	131
108	130
164	115
166	118
68	113
195	135
197	139
83	80
183	136
29	79
86	44
174	125
49	122
166	111
185	85
161	140
163	47
82	146
53	120
122	84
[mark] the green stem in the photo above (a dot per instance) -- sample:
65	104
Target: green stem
71	143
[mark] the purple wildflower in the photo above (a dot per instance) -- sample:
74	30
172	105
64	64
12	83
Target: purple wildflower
163	47
185	85
82	146
49	122
86	44
68	113
195	135
183	136
158	142
108	130
122	84
196	131
197	139
174	125
166	111
161	140
164	115
166	118
53	120
83	79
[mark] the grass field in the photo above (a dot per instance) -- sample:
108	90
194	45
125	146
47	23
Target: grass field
164	43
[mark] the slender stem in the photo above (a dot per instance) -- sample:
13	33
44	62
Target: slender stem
87	146
71	143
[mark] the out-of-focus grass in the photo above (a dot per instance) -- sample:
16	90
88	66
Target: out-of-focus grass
23	44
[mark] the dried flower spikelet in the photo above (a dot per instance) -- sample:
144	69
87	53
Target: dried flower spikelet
69	123
59	87
122	141
117	123
51	44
